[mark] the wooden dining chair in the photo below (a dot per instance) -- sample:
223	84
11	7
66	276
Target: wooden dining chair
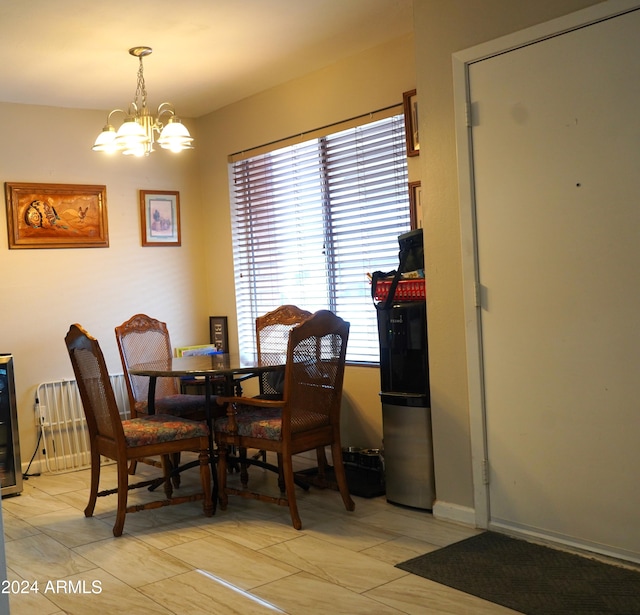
306	418
127	440
143	339
272	338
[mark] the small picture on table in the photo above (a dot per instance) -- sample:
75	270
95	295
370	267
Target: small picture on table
218	333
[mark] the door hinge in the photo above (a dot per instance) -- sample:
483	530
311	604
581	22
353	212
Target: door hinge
478	295
469	114
485	471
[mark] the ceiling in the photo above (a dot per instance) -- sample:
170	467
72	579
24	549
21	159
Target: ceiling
206	53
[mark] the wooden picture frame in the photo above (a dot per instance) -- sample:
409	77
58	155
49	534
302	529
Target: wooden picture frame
160	218
219	333
410	105
415	204
56	215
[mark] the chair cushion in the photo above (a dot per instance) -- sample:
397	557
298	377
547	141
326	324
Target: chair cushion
254	422
267	422
161	428
183	405
190	406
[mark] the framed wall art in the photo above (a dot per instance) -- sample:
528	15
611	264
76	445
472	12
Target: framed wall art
56	215
415	204
410	105
218	332
160	217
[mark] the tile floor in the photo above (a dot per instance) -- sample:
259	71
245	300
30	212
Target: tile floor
247	559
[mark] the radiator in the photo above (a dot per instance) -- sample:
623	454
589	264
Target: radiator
64	431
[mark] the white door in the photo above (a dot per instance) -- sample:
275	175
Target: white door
556	164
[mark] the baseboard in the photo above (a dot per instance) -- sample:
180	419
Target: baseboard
445	511
570	542
38	466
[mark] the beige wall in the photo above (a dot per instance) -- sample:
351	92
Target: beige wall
442	28
44	291
368	81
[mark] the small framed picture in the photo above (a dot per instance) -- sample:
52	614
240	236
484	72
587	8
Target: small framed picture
410	104
218	333
415	204
160	218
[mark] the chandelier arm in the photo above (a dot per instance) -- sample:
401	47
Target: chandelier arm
115	111
165	108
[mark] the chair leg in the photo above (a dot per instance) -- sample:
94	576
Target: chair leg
132	467
341	476
205	477
123	492
95	481
222	476
244	473
322	462
167	467
281	484
290	488
175	461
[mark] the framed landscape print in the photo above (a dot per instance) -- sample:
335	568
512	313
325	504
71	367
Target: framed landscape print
56	215
410	104
415	204
160	217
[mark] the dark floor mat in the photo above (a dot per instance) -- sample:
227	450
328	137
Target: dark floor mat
531	578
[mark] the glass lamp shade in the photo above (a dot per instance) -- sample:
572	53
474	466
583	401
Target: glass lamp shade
106	141
136	150
175	136
130	134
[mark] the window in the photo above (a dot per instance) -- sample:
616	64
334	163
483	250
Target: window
310	220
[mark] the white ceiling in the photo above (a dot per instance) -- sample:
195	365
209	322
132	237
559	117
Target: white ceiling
206	53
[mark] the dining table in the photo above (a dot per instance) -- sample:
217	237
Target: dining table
227	370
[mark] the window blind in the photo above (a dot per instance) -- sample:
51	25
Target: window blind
310	220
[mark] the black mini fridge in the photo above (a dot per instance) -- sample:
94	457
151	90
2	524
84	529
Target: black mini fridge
10	465
404	382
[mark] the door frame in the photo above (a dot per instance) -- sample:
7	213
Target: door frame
472	289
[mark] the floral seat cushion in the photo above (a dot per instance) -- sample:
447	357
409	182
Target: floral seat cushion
161	428
267	422
254	422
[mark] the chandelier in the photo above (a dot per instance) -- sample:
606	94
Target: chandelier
138	131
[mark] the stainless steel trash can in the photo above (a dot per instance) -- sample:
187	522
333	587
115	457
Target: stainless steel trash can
408	450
